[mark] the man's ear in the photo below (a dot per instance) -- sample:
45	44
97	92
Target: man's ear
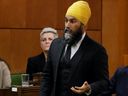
85	26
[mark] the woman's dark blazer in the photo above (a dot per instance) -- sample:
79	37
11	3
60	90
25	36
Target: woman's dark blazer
35	65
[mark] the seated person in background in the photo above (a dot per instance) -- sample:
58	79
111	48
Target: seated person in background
5	77
36	64
119	82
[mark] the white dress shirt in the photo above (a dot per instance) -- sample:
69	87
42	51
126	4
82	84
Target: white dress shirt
75	47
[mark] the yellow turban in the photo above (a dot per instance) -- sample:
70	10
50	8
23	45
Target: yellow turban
80	10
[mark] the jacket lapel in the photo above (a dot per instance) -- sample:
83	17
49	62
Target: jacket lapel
60	48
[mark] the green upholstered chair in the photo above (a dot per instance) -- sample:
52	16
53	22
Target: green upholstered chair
16	79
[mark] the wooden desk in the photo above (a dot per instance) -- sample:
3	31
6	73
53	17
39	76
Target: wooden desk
20	91
5	92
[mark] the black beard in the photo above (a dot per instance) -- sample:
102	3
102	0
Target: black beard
73	37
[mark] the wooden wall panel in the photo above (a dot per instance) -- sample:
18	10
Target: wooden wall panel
123	21
5	44
12	13
95	35
41	13
115	31
18	45
95	22
25	44
125	60
110	33
28	13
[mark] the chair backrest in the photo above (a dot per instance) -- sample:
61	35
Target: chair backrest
16	79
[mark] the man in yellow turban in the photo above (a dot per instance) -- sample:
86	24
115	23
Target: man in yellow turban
77	65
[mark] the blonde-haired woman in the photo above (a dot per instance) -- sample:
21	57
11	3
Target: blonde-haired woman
5	77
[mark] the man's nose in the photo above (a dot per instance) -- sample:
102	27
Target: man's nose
67	24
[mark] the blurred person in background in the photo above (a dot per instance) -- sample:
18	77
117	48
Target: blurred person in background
5	77
36	64
119	83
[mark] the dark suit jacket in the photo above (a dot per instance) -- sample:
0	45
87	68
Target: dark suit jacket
90	64
35	65
119	82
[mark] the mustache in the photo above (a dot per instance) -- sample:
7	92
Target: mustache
72	37
67	34
67	30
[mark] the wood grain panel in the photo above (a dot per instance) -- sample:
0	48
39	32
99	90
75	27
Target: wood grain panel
12	13
95	22
18	45
41	13
123	21
110	33
125	60
96	35
114	34
25	44
5	44
27	13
